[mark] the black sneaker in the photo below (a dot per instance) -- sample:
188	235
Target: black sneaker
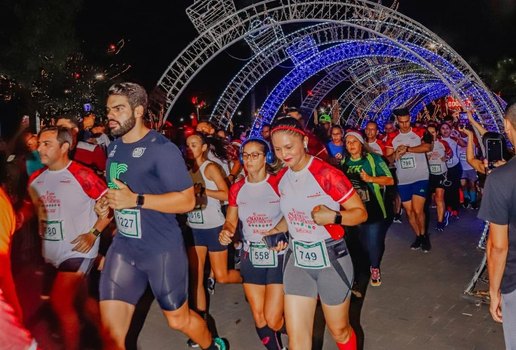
425	244
417	243
397	219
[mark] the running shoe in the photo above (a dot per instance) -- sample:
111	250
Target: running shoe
220	343
397	219
455	215
192	344
425	243
376	280
440	226
446	219
210	285
417	243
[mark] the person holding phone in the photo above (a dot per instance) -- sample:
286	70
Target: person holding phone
498	208
255	201
316	199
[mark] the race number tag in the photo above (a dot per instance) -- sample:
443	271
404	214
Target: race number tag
407	162
196	217
52	230
435	168
364	194
262	256
128	222
311	255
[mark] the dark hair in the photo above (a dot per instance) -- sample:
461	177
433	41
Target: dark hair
73	119
215	144
136	94
372	122
63	134
510	113
401	112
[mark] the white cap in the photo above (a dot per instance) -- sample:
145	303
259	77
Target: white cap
356	134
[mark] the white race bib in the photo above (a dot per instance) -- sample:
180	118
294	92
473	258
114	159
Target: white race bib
435	168
128	222
262	256
196	217
408	162
311	255
52	230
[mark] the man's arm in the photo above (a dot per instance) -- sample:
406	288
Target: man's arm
496	250
422	148
171	202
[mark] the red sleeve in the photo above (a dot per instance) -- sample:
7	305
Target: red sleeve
273	180
419	132
332	181
35	175
447	149
91	184
389	139
382	145
233	192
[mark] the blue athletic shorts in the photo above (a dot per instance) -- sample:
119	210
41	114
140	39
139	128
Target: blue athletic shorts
208	237
83	265
418	188
125	276
260	275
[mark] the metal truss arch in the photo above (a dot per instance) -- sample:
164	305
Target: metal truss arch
221	31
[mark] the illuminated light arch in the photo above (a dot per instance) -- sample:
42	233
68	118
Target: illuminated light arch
221	25
349	51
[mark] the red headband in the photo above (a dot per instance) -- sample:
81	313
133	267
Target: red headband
289	128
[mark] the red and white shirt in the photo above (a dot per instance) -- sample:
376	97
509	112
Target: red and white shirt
454	159
412	167
258	206
317	184
378	147
435	157
65	201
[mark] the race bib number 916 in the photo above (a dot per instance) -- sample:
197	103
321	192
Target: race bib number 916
128	222
311	255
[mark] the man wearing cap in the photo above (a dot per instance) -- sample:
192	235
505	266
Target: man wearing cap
408	148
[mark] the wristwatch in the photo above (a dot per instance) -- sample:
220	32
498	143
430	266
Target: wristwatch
95	232
140	200
338	218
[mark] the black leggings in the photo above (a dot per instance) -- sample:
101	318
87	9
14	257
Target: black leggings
451	193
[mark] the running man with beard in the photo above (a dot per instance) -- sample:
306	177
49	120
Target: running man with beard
149	184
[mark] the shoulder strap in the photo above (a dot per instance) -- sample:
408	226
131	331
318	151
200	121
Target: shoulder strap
371	163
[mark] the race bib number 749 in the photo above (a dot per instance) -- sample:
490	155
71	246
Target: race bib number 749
311	255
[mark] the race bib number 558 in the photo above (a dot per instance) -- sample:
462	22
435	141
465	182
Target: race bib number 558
128	222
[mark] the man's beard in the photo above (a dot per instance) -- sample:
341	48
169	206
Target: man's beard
125	127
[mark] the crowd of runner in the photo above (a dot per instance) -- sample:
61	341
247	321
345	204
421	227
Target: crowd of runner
296	215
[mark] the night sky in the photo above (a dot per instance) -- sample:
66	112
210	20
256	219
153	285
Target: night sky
482	31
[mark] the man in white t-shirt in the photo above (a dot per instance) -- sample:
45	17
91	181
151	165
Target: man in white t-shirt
408	148
64	195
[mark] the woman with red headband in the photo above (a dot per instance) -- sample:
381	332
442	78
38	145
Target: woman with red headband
316	200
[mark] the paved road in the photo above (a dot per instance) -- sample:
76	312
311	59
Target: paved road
418	306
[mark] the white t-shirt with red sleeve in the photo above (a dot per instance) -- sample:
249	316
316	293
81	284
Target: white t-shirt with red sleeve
435	157
378	147
412	167
258	206
65	202
317	184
